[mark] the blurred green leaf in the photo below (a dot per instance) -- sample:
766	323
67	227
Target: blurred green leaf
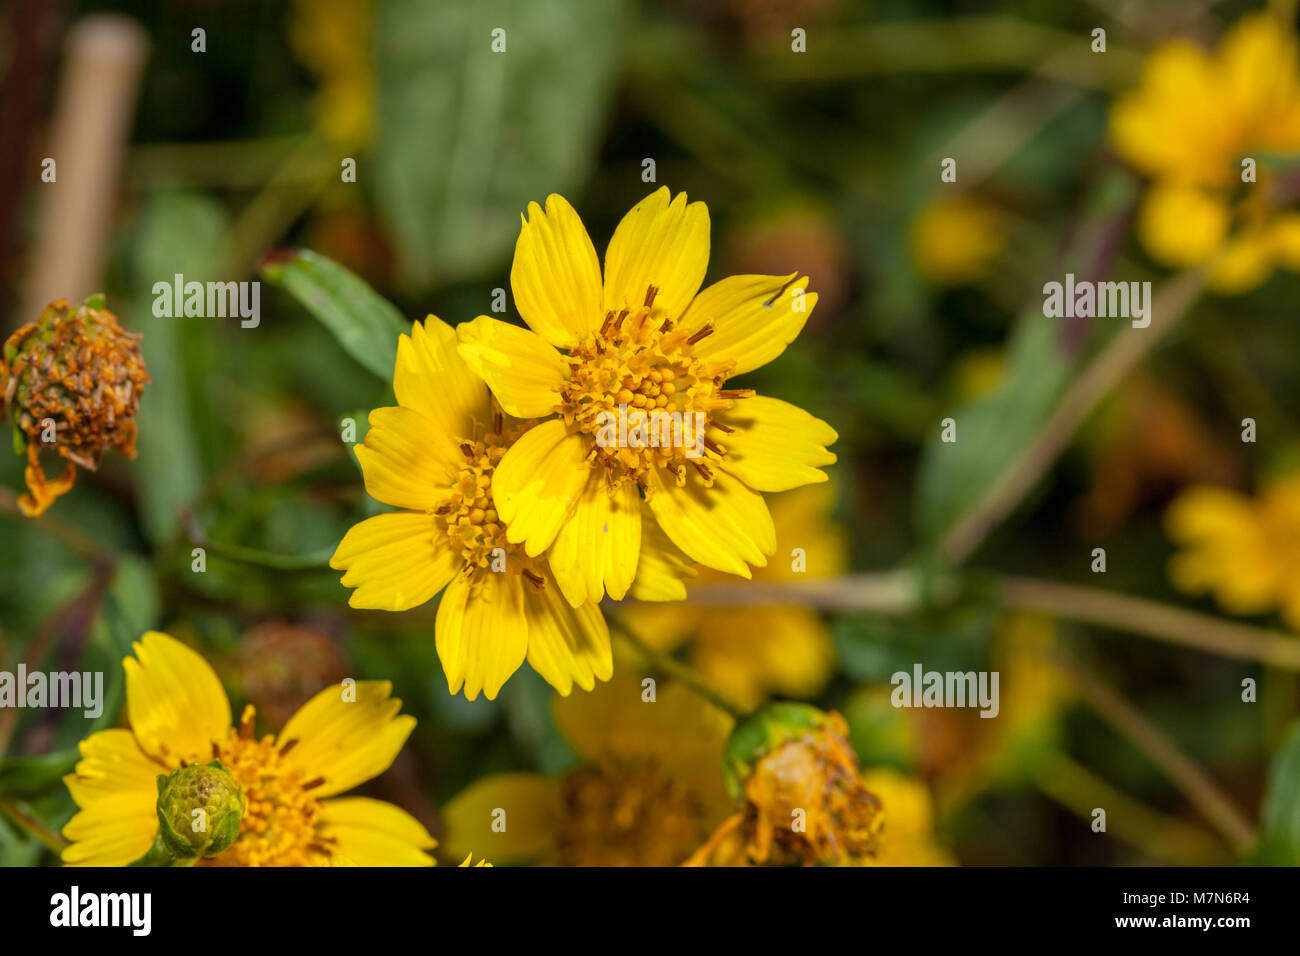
174	234
364	322
992	430
468	136
1279	842
30	776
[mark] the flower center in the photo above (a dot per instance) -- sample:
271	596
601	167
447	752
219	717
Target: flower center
638	389
281	816
627	813
469	515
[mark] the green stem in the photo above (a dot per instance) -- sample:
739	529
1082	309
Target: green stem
26	820
680	672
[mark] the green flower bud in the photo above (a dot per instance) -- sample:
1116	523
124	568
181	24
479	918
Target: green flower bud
199	810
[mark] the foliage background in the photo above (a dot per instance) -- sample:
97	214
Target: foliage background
820	162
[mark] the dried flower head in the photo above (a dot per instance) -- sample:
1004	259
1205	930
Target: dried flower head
73	380
802	798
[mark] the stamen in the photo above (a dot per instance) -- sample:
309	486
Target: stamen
736	393
538	581
714	447
721	427
701	334
650	294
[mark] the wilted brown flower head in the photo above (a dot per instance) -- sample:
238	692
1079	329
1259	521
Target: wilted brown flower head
802	799
72	382
280	666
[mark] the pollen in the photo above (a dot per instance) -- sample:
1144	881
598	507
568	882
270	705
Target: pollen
638	361
469	515
281	824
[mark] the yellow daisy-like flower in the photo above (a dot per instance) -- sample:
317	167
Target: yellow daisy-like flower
1244	551
647	791
641	340
436	455
293	814
1194	118
750	653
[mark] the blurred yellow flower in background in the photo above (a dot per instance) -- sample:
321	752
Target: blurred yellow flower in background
1245	551
332	39
907	838
748	653
436	455
646	792
180	716
1192	121
641	340
956	239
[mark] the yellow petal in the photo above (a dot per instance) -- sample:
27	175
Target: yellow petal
175	701
481	631
104	839
395	561
114	785
556	275
662	244
348	734
565	643
509	817
538	482
434	380
722	527
596	550
523	370
407	461
775	446
753	317
374	833
1182	226
661	569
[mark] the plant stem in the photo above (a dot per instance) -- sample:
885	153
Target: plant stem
1080	791
1201	792
1124	351
25	819
902	592
680	672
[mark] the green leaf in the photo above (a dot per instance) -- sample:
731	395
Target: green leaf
993	430
364	322
32	776
467	136
1279	839
174	234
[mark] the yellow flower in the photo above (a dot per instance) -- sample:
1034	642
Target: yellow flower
956	239
647	790
293	816
749	653
470	856
641	340
436	455
332	39
1244	551
1190	124
1195	115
